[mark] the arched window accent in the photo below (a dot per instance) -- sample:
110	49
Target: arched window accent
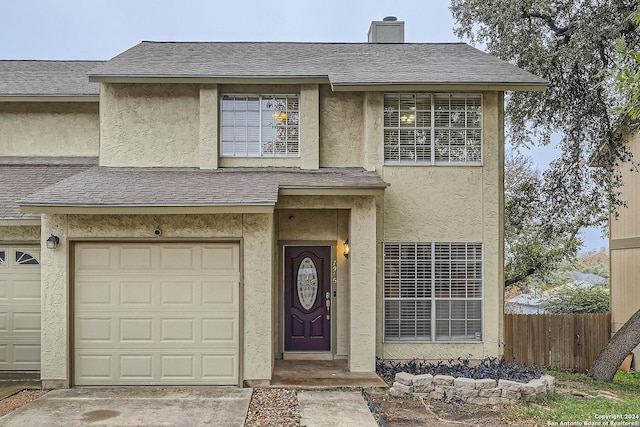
26	258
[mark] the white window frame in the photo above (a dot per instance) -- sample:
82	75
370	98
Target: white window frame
431	131
292	147
432	299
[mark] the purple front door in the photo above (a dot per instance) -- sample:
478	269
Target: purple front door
307	289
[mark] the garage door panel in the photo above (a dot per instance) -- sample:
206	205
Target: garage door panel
26	290
138	292
180	258
138	258
167	325
94	292
177	292
93	330
20	307
93	258
136	330
26	322
221	258
220	331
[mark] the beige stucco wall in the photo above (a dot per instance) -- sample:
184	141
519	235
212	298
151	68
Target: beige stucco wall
49	129
450	204
149	125
341	128
328	226
19	233
255	231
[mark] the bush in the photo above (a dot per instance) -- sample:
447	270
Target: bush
594	299
491	367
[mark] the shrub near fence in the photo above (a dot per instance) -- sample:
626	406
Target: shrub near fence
563	341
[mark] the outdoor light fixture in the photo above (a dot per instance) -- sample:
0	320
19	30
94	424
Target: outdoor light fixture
52	242
347	249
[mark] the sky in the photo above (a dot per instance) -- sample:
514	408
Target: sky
101	29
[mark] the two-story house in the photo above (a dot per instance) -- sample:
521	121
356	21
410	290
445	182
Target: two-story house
196	211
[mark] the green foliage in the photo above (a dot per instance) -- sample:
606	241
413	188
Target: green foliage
594	299
595	262
574	46
536	241
562	407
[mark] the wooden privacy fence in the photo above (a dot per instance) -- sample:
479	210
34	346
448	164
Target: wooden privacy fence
564	341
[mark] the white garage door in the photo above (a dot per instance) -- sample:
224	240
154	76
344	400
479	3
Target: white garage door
19	308
156	313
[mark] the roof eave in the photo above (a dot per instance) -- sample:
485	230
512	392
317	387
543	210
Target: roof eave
127	209
124	78
439	86
50	98
20	221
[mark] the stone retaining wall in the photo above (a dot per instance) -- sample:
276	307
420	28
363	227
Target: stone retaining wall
477	392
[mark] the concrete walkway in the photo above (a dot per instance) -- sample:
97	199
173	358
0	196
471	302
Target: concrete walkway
334	409
171	406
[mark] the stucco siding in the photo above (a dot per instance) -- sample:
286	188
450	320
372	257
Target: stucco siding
255	231
20	233
452	204
149	125
49	129
341	128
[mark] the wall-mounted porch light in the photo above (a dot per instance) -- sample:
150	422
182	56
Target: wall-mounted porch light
347	249
52	242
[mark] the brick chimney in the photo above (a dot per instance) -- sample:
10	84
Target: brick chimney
389	30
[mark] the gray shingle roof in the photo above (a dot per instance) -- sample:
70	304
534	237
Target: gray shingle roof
21	176
107	186
47	78
341	63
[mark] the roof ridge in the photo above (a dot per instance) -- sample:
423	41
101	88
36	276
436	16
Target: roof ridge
296	42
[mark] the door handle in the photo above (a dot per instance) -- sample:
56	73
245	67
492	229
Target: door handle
327	301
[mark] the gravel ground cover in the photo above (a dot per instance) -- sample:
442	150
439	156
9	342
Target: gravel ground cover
17	400
273	407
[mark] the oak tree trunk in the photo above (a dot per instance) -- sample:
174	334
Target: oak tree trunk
613	354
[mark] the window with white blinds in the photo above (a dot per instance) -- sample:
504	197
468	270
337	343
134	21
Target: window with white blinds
432	291
425	128
260	125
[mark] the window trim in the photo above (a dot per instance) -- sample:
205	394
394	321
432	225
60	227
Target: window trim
260	97
432	131
433	299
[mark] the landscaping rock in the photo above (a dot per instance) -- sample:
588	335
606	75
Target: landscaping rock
486	383
423	380
404	378
445	380
533	387
510	385
490	392
465	383
402	388
466	394
550	381
511	394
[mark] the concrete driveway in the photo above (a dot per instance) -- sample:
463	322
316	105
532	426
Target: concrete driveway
135	406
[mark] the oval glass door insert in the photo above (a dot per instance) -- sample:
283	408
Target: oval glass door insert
307	283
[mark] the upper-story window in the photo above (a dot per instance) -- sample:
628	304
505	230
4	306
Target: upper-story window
431	129
260	125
